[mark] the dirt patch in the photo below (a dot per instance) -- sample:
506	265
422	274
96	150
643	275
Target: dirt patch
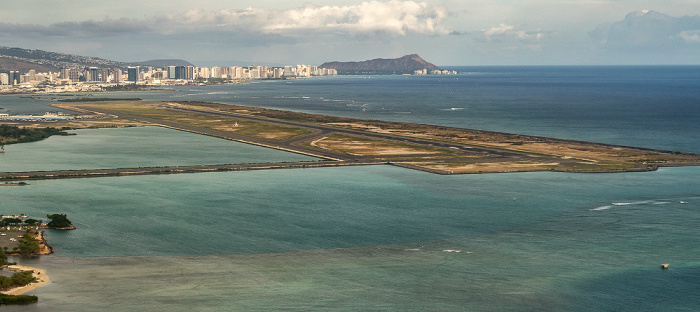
368	147
487	166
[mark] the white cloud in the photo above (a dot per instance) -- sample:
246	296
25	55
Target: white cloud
647	29
503	32
689	36
393	17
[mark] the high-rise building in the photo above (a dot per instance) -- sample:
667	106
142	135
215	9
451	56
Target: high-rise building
4	79
70	73
215	72
189	72
92	74
262	72
204	72
104	76
288	71
172	72
133	73
180	72
15	77
254	72
117	74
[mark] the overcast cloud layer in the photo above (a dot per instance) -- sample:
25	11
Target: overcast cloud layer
444	32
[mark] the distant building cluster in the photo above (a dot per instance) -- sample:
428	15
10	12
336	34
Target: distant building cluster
48	116
93	78
425	71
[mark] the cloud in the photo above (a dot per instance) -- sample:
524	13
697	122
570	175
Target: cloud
689	36
393	17
107	27
648	29
505	32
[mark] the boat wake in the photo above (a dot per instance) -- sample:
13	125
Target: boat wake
642	202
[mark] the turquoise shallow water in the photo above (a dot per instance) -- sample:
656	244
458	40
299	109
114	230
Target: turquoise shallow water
133	148
381	238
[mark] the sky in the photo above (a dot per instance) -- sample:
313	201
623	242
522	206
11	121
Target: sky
288	32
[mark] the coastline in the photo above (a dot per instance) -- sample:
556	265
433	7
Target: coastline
39	274
44	247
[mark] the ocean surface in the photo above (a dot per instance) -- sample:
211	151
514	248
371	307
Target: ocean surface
382	238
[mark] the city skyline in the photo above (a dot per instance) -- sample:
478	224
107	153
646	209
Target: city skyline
446	32
88	79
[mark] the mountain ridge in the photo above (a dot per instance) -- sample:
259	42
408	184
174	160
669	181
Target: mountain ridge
23	60
162	63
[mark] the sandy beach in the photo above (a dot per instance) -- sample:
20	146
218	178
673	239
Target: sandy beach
40	275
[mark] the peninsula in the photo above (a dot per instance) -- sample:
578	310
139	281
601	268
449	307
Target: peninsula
343	141
407	64
18	238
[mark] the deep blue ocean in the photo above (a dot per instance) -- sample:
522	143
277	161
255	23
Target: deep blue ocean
381	238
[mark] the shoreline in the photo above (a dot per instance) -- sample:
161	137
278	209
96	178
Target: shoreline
39	274
44	247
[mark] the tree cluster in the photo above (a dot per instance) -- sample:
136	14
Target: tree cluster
3	257
22	299
13	134
28	245
19	222
16	280
58	221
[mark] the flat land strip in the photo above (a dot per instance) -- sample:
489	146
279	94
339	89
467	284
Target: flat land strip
346	141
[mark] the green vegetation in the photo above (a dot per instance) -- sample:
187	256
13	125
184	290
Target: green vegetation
23	299
212	80
16	280
10	221
28	245
3	257
89	99
13	134
127	87
58	221
19	222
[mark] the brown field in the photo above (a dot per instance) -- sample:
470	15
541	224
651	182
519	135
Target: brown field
356	145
